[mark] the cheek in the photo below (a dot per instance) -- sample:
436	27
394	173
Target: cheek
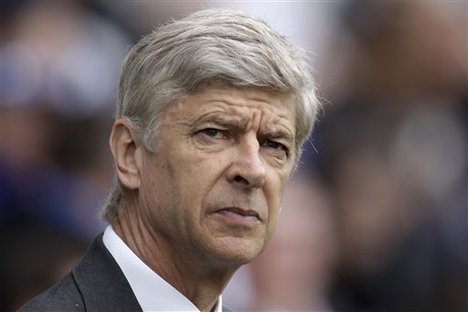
193	178
154	189
274	195
160	181
277	185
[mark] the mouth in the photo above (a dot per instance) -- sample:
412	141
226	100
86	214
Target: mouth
239	215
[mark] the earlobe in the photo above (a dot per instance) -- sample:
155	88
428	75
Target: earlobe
126	153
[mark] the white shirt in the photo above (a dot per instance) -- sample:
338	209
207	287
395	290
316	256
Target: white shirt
151	290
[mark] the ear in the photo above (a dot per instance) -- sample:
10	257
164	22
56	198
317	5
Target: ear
127	153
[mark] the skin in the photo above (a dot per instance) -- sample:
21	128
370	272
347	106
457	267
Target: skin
207	200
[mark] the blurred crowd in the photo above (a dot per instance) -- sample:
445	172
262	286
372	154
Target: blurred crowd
376	218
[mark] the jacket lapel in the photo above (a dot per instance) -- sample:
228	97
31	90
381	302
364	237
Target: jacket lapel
102	283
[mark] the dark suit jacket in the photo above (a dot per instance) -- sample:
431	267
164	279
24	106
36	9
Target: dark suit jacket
96	284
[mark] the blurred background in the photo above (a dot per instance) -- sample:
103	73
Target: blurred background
376	218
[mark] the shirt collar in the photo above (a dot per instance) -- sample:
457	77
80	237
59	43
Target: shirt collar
151	290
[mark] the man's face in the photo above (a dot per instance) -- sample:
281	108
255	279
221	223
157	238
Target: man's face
214	185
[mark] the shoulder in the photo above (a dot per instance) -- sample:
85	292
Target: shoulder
63	296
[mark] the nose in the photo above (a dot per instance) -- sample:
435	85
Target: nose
247	170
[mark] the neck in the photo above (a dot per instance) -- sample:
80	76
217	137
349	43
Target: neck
192	276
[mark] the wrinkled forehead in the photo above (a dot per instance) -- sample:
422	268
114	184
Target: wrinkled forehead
280	103
243	104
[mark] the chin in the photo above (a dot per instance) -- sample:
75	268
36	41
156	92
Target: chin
236	251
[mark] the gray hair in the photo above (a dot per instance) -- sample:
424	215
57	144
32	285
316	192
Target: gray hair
181	57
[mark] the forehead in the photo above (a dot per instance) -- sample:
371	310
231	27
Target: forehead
241	102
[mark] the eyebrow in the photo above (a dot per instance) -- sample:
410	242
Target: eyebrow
225	120
239	123
279	134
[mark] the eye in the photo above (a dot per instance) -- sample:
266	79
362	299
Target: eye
273	144
212	132
280	149
211	139
212	135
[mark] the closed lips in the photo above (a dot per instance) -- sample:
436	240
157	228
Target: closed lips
239	211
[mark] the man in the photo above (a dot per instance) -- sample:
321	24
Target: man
212	112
